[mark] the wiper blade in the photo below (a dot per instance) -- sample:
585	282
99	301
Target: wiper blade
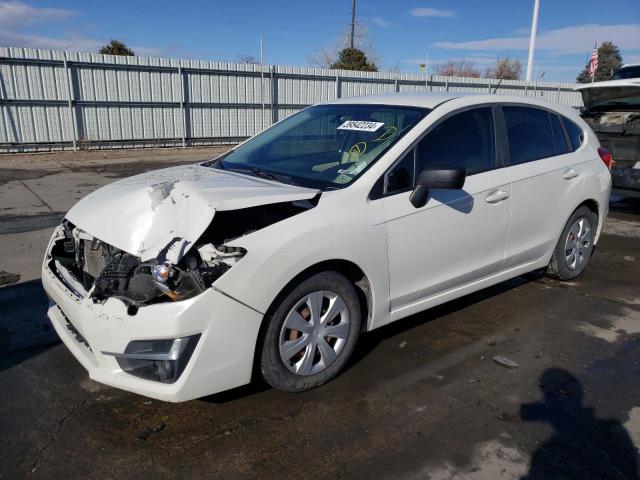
266	174
260	172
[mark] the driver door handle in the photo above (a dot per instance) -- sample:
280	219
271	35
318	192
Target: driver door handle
496	196
569	174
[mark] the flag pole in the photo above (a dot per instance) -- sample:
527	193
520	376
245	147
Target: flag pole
593	73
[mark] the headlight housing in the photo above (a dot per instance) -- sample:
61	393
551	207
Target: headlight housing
98	270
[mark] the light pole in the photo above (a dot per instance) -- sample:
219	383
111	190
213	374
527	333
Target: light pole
532	41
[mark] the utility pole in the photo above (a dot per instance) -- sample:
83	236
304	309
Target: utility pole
262	81
532	42
353	22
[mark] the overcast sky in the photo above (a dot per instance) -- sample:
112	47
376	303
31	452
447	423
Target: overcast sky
403	32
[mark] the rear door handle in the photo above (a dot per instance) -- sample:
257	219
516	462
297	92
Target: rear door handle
569	174
496	196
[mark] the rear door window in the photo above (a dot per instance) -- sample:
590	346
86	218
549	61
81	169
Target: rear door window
529	133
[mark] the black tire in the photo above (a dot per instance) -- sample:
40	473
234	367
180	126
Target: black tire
558	267
272	366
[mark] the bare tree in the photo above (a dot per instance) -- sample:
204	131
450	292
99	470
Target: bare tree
505	68
247	58
326	56
456	68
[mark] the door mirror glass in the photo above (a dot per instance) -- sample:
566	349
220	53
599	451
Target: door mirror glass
436	178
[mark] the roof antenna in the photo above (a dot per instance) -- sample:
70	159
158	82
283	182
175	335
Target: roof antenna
497	85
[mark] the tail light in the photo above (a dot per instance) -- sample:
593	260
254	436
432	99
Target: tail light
606	157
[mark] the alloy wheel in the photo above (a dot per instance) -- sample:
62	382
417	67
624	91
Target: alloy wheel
314	333
578	244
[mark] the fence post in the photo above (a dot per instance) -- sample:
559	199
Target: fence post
70	101
396	85
183	113
338	87
274	94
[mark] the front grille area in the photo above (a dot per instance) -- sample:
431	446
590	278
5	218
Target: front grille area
91	267
95	258
81	260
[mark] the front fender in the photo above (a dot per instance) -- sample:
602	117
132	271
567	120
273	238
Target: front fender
330	231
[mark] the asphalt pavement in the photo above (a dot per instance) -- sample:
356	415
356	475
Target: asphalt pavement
530	379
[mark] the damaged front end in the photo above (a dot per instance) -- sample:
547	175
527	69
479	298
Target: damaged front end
94	269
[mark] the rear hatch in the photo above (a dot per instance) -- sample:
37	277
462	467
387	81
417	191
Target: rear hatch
612	110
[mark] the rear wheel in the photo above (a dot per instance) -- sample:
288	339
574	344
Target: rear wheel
575	245
311	333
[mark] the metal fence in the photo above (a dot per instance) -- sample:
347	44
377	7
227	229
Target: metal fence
70	100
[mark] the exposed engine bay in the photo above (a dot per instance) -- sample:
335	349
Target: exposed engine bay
94	269
618	132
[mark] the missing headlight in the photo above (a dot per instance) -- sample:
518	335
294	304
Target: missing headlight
196	272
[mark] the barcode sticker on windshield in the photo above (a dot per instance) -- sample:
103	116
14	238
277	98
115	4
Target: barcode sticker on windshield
360	126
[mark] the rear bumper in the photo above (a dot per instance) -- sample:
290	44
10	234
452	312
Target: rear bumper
625	180
222	359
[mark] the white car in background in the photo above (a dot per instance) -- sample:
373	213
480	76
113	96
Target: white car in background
344	217
612	110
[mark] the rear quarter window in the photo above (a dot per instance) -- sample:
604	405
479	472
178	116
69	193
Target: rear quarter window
576	134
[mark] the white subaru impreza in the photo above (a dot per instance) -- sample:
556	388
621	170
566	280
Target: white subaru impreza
344	217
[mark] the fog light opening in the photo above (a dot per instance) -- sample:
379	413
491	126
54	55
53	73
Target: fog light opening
158	360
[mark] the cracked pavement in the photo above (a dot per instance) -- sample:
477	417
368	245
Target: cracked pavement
422	398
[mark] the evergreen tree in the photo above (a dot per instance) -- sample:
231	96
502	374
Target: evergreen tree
609	61
115	47
353	59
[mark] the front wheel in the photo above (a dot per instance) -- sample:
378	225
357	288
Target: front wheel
575	246
311	333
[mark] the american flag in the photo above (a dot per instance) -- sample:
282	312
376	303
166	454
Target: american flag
593	62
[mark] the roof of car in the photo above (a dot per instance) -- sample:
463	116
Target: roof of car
413	99
432	99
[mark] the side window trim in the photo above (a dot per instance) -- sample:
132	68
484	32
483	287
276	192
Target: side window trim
400	159
497	161
502	139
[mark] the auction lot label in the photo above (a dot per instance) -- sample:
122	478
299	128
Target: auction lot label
360	126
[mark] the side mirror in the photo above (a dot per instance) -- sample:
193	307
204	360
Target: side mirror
432	178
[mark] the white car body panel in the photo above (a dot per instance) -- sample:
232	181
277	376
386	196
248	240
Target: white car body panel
413	259
449	223
170	208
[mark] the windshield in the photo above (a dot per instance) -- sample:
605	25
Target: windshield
627	72
325	146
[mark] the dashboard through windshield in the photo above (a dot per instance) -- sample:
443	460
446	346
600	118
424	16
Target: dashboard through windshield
324	146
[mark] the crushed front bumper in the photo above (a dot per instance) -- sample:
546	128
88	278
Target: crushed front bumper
222	359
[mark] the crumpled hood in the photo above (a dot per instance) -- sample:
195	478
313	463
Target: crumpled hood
160	214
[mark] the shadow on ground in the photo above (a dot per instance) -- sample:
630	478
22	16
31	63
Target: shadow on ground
23	317
581	446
